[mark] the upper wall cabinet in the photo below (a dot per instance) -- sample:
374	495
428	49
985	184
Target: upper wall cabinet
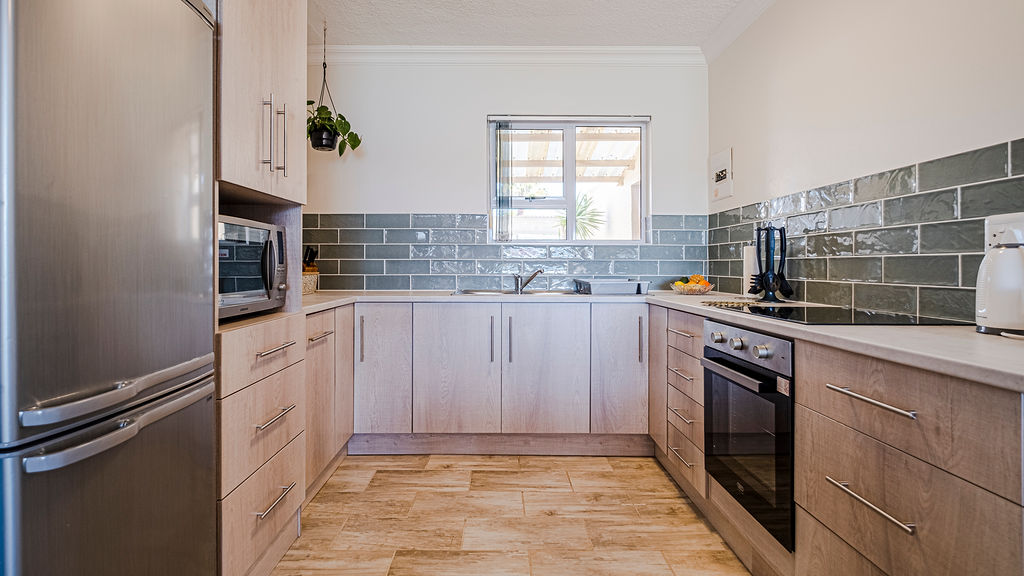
262	91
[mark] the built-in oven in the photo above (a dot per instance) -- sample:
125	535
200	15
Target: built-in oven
252	269
748	422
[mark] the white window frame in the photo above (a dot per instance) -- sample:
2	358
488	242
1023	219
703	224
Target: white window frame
568	125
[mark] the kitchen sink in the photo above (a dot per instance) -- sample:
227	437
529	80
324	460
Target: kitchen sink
503	292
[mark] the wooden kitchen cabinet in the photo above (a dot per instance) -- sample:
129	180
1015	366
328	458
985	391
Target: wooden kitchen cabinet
545	368
618	378
456	368
657	375
262	102
383	368
320	400
344	349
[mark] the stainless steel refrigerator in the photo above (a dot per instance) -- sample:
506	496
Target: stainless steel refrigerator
107	433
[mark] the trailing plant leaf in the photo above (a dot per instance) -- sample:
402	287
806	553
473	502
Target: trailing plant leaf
343	125
342	144
353	140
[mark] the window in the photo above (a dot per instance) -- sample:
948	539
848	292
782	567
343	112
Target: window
567	180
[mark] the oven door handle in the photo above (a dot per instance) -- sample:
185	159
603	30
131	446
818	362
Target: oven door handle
741	379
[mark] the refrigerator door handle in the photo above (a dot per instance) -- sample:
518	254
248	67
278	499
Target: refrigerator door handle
122	391
127	429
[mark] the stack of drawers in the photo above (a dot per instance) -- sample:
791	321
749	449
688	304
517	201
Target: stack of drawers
261	407
685	400
903	471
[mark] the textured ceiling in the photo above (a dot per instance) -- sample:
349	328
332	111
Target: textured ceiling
517	22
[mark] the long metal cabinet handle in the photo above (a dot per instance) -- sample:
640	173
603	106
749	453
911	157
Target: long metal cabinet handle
509	339
680	456
681	375
127	429
273	142
321	336
676	412
680	333
122	390
275	349
909	528
283	113
286	490
268	423
912	414
492	338
362	338
640	341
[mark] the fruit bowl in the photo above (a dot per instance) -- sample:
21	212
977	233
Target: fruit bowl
693	289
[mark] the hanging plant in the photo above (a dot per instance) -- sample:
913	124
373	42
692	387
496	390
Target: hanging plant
325	128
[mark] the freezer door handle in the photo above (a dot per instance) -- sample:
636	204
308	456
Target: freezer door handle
122	391
127	429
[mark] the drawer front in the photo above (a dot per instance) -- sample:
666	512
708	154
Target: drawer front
244	534
256	422
251	353
686	374
685	332
958	528
319	326
971	430
689	459
686	415
819	551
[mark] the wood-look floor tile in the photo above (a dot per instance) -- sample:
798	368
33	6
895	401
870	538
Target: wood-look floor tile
400	462
525	534
631	481
413	533
466	504
655	508
634	463
577	505
547	480
461	563
705	563
463	462
598	563
348	480
335	563
441	480
317	537
639	535
373	503
565	463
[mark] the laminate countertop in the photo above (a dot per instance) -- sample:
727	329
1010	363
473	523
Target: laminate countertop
958	351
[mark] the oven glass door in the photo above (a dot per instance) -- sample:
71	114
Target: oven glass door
748	434
241	256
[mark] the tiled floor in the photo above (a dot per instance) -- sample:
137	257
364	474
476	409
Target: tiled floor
504	515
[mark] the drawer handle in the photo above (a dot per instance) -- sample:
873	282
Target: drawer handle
844	486
912	414
680	333
321	336
276	349
678	455
265	425
287	489
681	375
685	419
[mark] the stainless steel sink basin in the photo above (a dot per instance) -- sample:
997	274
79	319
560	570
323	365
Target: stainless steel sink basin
503	292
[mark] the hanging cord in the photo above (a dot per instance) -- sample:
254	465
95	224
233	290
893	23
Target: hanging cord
323	85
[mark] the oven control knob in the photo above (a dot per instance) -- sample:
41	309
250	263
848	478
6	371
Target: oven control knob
717	337
762	351
736	343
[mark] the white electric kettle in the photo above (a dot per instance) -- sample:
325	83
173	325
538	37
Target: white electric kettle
999	307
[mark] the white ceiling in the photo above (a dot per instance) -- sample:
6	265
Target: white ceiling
518	22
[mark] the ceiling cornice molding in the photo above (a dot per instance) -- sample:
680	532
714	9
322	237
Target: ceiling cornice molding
629	56
734	25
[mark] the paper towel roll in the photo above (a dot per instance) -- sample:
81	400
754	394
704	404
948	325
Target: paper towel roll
749	265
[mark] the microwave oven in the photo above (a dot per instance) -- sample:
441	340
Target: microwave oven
252	268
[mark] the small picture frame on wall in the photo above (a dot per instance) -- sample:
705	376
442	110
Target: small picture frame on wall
720	175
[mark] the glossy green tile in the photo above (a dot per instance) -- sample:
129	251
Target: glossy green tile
965	168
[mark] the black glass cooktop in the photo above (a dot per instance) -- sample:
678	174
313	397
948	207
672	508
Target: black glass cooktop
834	315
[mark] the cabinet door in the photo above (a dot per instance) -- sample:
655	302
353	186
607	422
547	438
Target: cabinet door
383	373
545	368
344	322
657	375
456	368
618	375
246	45
319	393
288	69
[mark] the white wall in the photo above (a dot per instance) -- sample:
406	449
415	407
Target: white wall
820	91
422	114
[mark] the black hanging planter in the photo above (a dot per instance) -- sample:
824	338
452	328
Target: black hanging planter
323	139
